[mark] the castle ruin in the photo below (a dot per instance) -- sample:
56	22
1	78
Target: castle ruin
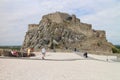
63	31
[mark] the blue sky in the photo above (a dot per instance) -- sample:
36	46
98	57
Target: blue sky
15	15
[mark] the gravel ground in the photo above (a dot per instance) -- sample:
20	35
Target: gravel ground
58	66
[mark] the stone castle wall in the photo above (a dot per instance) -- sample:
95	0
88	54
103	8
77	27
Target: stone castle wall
32	26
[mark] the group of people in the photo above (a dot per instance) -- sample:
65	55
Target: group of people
43	52
14	53
29	50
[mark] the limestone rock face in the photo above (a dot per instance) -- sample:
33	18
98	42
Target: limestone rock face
63	31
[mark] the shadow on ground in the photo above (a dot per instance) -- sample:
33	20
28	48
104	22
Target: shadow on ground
27	58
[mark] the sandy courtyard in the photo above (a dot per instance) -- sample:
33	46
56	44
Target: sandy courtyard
58	66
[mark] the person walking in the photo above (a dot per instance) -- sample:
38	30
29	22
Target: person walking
28	52
85	54
43	51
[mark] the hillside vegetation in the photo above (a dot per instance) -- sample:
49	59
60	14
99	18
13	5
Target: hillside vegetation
116	49
11	47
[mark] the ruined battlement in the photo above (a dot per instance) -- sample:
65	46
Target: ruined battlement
59	17
100	33
32	26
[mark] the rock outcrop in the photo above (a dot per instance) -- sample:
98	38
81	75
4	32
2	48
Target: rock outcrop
63	31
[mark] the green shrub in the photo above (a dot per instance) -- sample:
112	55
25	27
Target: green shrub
117	46
115	50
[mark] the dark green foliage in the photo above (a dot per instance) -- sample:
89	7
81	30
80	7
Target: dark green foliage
99	44
11	47
116	49
117	46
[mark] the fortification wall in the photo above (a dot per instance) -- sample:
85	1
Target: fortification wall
99	33
32	26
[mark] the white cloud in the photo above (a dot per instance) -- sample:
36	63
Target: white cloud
17	14
106	19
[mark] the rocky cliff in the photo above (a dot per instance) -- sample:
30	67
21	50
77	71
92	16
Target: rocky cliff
65	32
